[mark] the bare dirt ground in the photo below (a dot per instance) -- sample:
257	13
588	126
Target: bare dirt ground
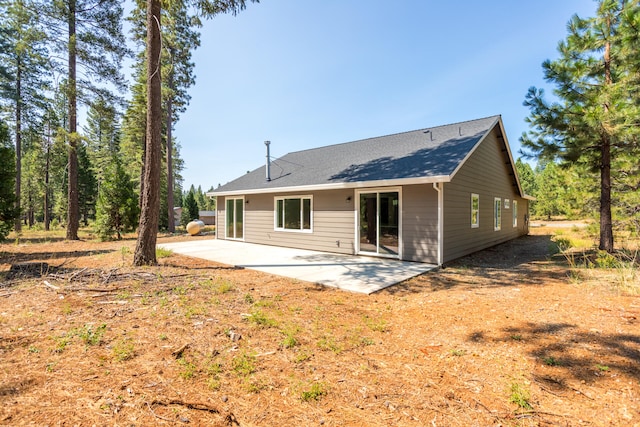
505	337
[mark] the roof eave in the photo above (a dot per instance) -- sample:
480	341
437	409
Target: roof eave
335	186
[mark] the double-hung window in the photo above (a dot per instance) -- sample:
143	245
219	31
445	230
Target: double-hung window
294	213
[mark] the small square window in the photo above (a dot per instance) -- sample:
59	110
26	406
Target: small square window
506	203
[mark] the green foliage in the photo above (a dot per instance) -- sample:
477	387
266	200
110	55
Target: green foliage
261	319
527	178
315	392
189	369
190	210
244	364
124	349
551	361
163	253
520	396
117	209
91	335
593	123
8	211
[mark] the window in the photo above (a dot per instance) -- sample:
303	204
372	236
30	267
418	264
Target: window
497	214
475	210
515	213
293	213
506	203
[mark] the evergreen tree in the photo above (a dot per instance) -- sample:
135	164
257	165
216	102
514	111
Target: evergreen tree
102	133
89	33
22	78
595	117
147	232
8	211
87	186
189	209
117	207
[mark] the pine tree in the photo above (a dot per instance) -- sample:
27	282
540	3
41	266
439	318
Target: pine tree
147	232
117	207
594	121
8	211
102	133
89	33
22	79
189	209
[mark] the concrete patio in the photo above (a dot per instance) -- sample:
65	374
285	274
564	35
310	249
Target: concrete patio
351	273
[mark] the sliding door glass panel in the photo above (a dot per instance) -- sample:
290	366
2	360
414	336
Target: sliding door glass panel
239	225
368	222
230	229
389	223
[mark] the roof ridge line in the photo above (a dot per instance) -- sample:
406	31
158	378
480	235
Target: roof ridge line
392	134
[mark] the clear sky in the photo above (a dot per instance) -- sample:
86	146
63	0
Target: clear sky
304	74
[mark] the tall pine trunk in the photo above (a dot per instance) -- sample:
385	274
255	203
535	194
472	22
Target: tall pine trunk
171	224
606	222
18	223
47	219
73	210
145	252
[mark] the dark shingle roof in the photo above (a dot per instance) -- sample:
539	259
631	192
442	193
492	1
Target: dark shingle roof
425	153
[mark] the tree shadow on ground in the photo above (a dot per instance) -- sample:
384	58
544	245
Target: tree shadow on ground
576	353
518	262
16	257
34	240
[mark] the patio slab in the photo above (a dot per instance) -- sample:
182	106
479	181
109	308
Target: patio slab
351	273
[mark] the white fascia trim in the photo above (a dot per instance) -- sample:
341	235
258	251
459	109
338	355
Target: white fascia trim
337	186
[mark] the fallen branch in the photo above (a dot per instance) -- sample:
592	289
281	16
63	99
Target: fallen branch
534	412
177	353
49	285
158	416
230	419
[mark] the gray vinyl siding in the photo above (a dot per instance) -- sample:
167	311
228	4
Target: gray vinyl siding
420	223
488	174
333	222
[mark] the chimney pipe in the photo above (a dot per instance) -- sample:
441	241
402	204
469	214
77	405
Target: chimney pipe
267	143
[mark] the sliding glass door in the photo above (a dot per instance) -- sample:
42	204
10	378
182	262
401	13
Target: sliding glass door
379	223
234	219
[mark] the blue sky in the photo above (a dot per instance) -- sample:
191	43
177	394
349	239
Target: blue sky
304	74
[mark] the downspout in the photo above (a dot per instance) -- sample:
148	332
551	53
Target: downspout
440	191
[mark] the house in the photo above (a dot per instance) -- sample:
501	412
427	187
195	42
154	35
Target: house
208	217
429	195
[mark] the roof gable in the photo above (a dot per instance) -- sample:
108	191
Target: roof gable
430	155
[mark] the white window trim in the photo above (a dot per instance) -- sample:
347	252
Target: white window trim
497	214
477	223
515	213
506	204
275	213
